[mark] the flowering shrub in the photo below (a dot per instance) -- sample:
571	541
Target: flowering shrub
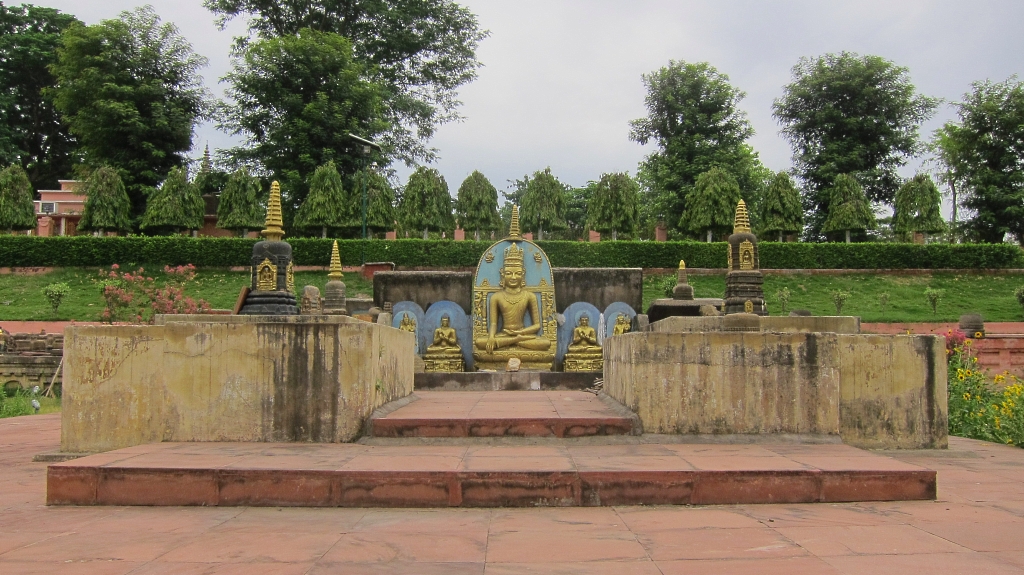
979	408
133	297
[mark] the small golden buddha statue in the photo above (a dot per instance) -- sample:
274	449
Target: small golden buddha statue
512	303
622	325
584	352
445	354
407	324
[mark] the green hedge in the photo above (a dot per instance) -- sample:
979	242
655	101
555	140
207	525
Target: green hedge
89	251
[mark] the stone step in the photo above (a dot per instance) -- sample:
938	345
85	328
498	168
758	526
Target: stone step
503	414
354	475
504	380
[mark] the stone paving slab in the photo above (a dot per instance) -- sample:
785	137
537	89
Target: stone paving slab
356	475
502	414
980	507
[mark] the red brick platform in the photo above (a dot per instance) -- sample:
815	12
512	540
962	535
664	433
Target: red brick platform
503	414
352	475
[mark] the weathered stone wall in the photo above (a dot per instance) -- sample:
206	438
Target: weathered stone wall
230	378
19	371
598	286
872	391
780	324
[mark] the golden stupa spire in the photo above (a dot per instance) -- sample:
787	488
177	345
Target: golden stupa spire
273	231
742	224
335	271
682	265
513	228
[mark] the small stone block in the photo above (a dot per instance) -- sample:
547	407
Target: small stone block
513	364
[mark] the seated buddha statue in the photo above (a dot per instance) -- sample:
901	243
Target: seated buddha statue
511	305
622	325
407	324
584	353
445	354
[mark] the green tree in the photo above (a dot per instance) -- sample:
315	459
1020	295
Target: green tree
130	92
543	203
848	208
17	212
107	206
241	207
380	201
31	131
918	207
327	205
175	205
476	206
850	114
422	50
712	204
577	201
983	153
780	209
426	203
296	99
694	118
209	180
614	205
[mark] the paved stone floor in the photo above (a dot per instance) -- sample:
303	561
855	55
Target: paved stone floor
976	527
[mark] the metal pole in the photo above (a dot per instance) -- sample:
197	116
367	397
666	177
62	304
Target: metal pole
362	255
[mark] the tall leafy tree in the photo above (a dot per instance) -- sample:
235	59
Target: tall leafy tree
176	205
32	133
543	203
983	153
918	207
693	116
209	180
296	99
241	207
426	203
711	204
327	205
130	92
780	209
17	212
577	201
422	50
614	205
476	206
380	201
850	114
107	205
848	208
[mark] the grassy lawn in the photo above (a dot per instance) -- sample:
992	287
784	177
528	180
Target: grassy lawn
991	296
21	296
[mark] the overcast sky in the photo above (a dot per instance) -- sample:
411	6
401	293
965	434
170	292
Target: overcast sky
561	79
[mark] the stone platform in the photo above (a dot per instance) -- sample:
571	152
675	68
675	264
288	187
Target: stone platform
355	475
502	380
505	414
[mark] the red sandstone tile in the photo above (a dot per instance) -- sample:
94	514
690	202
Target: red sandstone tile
623	450
642	520
814	514
397	568
72	485
96	567
280	547
437	546
41	519
290	520
156	487
99	546
779	566
568	520
877	486
743	463
277	487
1015	558
402	463
923	564
517	463
578	545
172	520
636	487
724	487
741	543
11	541
395	489
517	451
639	567
862	540
626	463
986	536
922	513
249	568
833	463
518	489
290	462
720	450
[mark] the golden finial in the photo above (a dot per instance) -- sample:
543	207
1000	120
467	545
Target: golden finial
273	231
513	228
335	273
682	265
742	224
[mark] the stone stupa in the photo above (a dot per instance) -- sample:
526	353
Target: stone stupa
334	291
272	291
744	291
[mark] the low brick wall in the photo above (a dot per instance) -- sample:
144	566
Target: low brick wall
229	378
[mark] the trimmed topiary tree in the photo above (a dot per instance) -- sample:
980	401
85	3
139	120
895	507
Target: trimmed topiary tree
781	210
918	207
477	205
17	211
848	208
426	204
614	205
107	207
711	204
380	201
327	205
175	205
543	204
241	206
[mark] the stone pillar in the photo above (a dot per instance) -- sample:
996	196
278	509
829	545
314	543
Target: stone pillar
661	233
594	236
459	235
44	226
391	235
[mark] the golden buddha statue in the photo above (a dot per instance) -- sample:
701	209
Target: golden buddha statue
445	354
622	325
512	303
584	352
407	324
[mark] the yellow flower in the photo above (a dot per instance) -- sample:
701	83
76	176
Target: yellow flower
960	376
978	335
967	396
967	343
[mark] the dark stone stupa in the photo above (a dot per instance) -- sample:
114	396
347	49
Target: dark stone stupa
744	284
273	281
